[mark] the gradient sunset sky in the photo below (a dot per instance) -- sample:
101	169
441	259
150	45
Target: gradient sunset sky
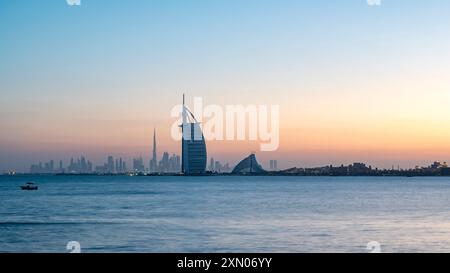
355	83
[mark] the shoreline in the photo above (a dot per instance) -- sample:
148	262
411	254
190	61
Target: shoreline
229	175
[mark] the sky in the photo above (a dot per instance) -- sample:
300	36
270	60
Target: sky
354	82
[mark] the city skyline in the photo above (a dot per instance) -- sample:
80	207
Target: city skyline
169	163
97	79
118	165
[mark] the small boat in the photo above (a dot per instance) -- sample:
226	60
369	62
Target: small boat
29	187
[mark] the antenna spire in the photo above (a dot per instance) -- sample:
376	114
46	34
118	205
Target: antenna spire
184	114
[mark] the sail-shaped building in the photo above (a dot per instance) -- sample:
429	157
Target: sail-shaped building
193	160
248	165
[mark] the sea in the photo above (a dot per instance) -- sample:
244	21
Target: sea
225	214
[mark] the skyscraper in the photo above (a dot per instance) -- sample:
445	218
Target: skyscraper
52	166
174	164
193	145
153	161
217	167
274	165
110	164
138	165
211	165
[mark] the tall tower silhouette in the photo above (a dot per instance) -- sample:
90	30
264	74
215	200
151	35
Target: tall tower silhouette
154	161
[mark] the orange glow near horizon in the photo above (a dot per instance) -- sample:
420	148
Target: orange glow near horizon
344	127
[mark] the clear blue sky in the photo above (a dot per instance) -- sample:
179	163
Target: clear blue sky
66	71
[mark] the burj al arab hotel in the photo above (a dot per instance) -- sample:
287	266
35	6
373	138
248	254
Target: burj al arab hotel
194	157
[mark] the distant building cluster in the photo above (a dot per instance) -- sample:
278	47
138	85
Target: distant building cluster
361	169
47	167
217	167
81	165
167	164
112	166
436	165
170	164
50	167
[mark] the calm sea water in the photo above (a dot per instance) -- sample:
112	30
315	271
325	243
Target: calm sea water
225	214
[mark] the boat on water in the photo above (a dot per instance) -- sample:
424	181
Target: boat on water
30	186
